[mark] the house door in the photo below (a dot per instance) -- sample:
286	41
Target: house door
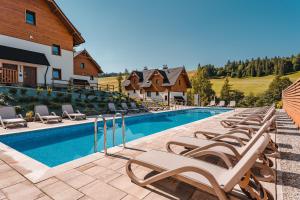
29	76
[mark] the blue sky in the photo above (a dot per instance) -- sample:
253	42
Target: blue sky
136	33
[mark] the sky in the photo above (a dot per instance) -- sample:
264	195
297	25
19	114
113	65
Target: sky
132	34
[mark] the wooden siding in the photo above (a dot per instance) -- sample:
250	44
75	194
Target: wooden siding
157	81
90	69
48	30
291	101
181	84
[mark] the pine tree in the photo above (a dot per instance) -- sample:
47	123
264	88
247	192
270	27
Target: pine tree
225	91
202	86
119	79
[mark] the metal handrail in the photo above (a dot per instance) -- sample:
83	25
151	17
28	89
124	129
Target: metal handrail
96	133
123	128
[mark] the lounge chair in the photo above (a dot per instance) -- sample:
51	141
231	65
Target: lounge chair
68	111
221	104
233	151
42	114
250	120
125	107
211	178
112	109
232	104
255	112
133	105
212	103
8	117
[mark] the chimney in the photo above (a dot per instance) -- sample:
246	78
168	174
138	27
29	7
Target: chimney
145	68
165	66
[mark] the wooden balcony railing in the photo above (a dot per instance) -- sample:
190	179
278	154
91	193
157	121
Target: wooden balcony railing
291	101
8	76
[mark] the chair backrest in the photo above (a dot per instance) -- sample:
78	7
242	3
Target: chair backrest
269	114
124	106
232	103
133	105
222	103
68	108
263	129
235	174
42	110
111	106
7	112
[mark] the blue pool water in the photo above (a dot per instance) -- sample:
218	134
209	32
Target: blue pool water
56	146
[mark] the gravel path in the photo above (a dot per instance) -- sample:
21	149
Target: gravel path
288	166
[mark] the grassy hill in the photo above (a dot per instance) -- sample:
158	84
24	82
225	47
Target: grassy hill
252	84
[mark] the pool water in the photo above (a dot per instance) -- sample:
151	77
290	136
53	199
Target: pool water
56	146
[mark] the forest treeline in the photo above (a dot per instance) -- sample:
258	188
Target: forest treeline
255	67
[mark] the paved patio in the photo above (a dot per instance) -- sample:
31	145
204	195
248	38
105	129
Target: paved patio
105	177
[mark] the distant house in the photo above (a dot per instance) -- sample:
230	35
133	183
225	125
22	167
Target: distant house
167	84
36	44
86	69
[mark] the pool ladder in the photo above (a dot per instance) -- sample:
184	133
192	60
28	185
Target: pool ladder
105	131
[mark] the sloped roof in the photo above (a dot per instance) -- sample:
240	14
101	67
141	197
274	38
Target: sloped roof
90	57
77	38
170	76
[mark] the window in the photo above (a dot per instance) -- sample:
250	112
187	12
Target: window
134	91
30	17
82	65
157	81
148	94
166	98
56	50
157	93
56	74
179	82
91	78
183	93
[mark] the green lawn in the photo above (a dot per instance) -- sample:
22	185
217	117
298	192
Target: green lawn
256	85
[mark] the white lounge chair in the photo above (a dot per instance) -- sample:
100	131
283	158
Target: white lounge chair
221	104
212	103
133	105
68	111
112	109
208	177
42	114
232	104
8	117
125	107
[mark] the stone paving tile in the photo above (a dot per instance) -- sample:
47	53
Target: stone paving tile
102	173
129	197
9	177
61	191
75	178
85	167
100	190
111	163
21	191
47	182
124	183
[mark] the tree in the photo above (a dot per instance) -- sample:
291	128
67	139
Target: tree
202	86
119	79
225	91
296	63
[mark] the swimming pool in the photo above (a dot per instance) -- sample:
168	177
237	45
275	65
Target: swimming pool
56	146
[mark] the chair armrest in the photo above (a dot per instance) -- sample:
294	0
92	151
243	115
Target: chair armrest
20	116
78	111
53	113
219	138
215	144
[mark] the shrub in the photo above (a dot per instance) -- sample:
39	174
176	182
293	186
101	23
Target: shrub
23	91
59	94
39	90
29	116
49	91
13	91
